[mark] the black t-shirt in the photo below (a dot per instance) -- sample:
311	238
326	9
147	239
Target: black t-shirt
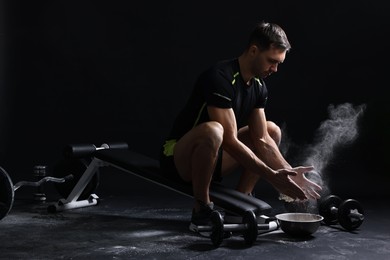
220	86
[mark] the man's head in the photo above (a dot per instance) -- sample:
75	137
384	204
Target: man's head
267	35
267	48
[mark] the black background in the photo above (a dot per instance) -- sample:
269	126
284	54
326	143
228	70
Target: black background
101	71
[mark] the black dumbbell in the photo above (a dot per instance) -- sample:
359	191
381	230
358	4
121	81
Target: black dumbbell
349	213
249	227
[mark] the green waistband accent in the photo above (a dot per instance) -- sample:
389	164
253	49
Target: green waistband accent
169	146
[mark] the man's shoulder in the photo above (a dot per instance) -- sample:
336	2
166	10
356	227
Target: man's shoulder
225	65
225	68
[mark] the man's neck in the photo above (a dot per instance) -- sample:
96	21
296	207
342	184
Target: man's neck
245	72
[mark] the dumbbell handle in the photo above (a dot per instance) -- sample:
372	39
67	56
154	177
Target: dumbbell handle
226	227
334	210
273	225
354	215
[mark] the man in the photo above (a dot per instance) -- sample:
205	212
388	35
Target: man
223	126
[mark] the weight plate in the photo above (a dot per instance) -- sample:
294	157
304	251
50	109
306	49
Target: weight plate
6	193
251	232
350	214
325	209
217	232
76	167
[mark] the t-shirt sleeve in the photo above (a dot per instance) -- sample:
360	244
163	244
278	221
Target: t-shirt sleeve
217	89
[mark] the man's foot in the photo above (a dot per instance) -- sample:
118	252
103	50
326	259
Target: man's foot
202	217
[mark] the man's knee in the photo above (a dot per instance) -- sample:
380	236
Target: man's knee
274	131
212	133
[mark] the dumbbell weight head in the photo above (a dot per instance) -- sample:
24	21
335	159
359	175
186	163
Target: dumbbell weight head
251	231
217	232
6	193
350	214
328	208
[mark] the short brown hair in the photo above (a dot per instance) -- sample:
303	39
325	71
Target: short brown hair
267	34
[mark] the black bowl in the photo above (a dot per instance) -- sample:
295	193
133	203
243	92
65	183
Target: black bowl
299	224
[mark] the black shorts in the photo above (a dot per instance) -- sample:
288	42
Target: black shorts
169	171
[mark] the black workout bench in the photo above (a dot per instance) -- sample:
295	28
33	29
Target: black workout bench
120	156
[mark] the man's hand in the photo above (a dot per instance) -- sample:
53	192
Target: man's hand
282	181
309	187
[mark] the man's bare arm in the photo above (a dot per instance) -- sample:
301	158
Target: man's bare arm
231	144
265	146
244	156
268	151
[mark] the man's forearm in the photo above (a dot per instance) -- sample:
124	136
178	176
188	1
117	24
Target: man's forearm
268	151
247	158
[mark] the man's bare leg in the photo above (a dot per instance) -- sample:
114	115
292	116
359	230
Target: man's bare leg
195	156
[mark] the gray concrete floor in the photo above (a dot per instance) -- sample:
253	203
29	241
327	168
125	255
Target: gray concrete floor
153	224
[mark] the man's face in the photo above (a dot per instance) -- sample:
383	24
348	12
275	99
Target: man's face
265	62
